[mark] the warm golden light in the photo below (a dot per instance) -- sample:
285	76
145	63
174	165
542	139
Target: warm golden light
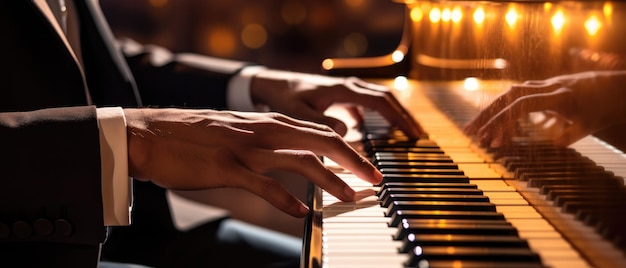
221	41
397	56
592	25
417	14
328	64
479	15
401	83
547	6
253	36
471	84
158	3
446	15
511	17
457	15
434	15
355	3
558	20
607	9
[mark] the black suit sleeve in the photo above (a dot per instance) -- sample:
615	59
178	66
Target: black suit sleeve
50	183
181	80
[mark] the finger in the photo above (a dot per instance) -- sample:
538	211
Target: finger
287	120
504	100
305	112
570	135
377	98
302	162
328	144
497	133
273	192
355	113
501	127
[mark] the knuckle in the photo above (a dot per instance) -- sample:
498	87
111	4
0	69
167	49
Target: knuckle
307	158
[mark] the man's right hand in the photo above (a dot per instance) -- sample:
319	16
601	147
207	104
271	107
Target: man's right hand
199	149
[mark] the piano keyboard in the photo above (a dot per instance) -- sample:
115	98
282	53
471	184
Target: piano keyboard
446	202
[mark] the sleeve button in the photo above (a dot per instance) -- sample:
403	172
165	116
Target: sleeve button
43	227
63	227
22	229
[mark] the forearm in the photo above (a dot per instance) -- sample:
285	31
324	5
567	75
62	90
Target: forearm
168	79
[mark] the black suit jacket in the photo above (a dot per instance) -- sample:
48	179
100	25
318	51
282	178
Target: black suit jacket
50	196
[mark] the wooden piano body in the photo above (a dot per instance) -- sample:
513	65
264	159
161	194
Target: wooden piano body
454	59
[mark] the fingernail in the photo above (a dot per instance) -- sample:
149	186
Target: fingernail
303	209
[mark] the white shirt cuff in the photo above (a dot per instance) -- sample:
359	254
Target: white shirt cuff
116	185
238	92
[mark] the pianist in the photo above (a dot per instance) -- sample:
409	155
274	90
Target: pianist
587	102
66	159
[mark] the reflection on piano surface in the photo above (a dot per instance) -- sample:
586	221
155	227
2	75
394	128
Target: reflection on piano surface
446	201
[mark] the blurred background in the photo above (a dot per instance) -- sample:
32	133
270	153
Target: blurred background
288	34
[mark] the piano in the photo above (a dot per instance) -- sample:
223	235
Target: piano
446	201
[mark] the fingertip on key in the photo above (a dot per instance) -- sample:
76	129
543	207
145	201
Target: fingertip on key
378	176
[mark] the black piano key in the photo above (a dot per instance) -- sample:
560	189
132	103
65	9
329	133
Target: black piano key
581	190
415	165
419	171
603	197
400	215
547	189
534	154
613	230
595	175
521	172
513	165
391	143
425	178
410	150
439	205
593	216
400	185
541	182
471	253
498	241
407	157
454	226
511	161
386	201
415	190
573	206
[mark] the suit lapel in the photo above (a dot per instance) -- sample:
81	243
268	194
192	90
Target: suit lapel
108	75
43	7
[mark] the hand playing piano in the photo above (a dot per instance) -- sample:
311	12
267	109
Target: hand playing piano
586	102
307	97
200	149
